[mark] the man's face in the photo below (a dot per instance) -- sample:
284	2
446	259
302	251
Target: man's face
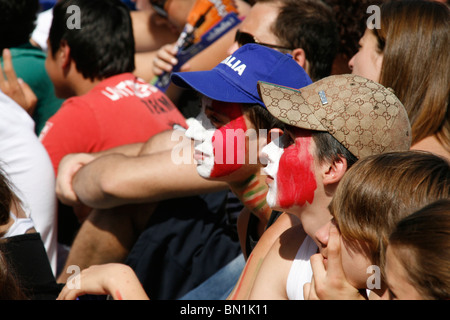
291	170
258	23
220	139
53	66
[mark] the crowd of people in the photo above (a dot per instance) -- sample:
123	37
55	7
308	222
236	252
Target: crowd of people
303	155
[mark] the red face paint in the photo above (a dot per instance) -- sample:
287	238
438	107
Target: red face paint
229	140
295	178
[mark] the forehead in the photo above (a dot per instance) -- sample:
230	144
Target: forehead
260	19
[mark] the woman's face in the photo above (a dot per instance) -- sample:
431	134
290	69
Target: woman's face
396	277
221	140
290	170
368	60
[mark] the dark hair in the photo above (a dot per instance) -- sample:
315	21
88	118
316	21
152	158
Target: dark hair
261	117
310	25
422	243
351	19
331	150
10	287
17	21
6	198
104	45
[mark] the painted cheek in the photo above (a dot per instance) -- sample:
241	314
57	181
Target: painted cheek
229	143
296	180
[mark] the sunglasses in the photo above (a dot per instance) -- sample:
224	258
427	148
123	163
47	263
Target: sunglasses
159	5
243	38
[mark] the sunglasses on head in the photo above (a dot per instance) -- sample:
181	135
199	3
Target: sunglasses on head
244	38
159	5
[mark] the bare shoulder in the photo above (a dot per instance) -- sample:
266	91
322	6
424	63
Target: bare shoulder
272	277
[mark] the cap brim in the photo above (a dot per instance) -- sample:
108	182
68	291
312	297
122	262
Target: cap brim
213	85
289	106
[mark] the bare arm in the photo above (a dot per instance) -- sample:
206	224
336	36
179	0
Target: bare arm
117	280
118	179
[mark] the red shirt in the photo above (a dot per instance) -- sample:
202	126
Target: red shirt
119	110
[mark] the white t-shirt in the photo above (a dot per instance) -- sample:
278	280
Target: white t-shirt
27	165
301	271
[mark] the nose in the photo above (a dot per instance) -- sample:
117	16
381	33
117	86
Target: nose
351	62
322	235
196	131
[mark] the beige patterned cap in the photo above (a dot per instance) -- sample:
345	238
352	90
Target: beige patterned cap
362	115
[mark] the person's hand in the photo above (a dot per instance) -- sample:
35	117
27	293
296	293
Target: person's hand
114	279
165	60
329	281
16	88
68	167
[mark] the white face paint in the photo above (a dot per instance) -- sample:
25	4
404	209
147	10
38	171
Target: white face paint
201	130
272	152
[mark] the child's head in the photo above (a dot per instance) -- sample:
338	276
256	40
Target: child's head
418	254
374	195
228	131
98	34
331	123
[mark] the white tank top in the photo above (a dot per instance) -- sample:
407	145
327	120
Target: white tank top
19	227
301	271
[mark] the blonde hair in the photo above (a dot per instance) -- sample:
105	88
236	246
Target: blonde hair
378	191
414	40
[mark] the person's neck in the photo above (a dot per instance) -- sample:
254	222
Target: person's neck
82	85
252	193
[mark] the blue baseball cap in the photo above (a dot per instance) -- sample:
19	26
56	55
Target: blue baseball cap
235	79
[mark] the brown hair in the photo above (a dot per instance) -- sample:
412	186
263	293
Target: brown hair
380	190
9	286
6	198
422	243
414	39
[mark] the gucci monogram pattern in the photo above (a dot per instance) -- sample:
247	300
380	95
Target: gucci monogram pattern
362	115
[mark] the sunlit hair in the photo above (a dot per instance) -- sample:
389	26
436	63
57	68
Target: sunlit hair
421	242
380	190
414	40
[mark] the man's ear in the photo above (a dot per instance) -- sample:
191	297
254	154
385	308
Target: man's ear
274	133
64	56
334	171
299	56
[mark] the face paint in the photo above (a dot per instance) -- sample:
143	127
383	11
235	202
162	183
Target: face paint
292	172
229	140
272	152
218	151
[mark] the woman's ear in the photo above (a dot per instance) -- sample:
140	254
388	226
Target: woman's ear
334	171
